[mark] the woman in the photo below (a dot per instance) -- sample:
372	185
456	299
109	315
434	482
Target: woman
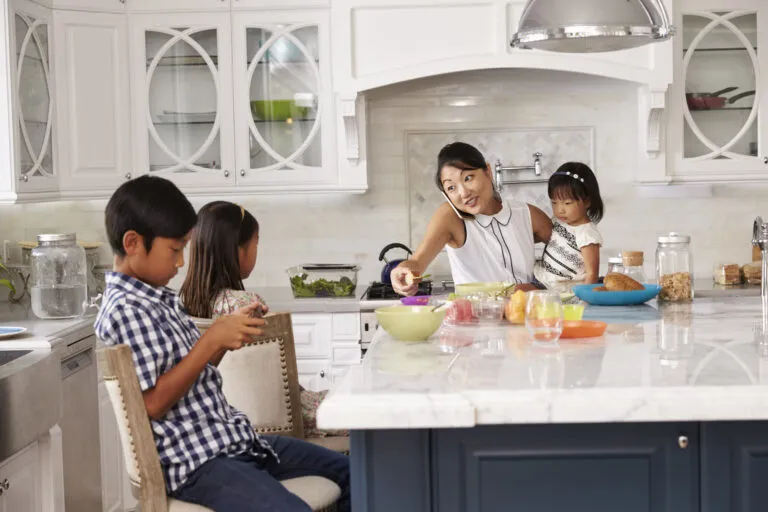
487	239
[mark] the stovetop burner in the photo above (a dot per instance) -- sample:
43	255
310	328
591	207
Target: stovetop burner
381	291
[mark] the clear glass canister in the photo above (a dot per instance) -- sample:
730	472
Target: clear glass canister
615	264
58	284
674	267
632	265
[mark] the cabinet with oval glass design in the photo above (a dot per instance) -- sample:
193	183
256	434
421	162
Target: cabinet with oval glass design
33	106
182	91
282	99
718	105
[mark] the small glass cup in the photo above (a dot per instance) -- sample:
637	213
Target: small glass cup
544	317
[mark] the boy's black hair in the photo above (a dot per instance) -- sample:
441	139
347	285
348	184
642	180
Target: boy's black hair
575	180
152	207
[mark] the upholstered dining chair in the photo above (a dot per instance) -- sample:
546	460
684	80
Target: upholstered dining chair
262	380
140	453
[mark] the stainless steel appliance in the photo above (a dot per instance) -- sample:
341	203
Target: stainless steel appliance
80	425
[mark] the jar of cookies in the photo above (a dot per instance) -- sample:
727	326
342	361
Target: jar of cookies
674	267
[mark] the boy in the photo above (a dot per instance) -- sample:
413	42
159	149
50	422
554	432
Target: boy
209	451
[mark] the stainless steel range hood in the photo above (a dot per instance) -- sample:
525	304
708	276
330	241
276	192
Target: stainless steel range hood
590	26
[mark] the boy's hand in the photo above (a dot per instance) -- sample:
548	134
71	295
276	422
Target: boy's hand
231	332
255	309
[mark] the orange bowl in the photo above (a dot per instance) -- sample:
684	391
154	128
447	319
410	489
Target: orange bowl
583	329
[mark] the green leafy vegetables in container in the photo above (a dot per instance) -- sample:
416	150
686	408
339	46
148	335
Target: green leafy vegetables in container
344	287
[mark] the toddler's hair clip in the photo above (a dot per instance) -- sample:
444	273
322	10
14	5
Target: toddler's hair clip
572	175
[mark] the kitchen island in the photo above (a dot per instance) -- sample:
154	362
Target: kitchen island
666	412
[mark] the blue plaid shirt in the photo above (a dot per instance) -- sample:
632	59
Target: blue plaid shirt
200	426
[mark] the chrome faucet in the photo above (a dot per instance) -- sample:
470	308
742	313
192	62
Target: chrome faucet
760	239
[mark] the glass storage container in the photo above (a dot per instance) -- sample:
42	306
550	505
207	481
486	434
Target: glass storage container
632	265
323	280
58	284
674	268
615	264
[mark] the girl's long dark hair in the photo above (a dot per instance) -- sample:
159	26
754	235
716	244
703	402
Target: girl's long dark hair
567	183
222	228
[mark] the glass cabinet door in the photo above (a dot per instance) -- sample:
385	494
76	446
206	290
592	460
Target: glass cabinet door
280	101
187	84
720	73
34	103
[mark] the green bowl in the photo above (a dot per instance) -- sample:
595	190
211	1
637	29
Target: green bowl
277	110
472	288
410	323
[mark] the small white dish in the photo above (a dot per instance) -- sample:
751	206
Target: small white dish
8	332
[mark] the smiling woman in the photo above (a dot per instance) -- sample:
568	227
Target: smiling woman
487	238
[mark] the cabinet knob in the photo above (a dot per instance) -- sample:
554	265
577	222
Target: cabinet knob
226	173
24	178
5	484
765	160
322	374
242	172
682	442
127	176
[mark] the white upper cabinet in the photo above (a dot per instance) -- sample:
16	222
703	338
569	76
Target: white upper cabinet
33	102
282	100
718	105
176	5
182	99
92	103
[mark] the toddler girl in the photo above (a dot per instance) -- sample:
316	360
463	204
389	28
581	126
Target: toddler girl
573	251
222	253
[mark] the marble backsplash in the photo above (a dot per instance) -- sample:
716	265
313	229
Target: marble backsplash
512	147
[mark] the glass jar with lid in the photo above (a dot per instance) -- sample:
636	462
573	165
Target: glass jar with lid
632	265
674	267
58	282
615	264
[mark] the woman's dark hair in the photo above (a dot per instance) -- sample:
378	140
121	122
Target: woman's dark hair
462	156
575	180
214	263
152	207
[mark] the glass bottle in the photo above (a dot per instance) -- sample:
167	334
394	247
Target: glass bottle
632	265
58	284
674	267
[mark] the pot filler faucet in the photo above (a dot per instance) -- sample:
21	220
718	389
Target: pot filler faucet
760	239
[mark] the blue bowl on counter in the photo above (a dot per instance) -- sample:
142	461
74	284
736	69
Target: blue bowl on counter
587	293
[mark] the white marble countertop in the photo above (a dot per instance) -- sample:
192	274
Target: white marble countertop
690	362
40	333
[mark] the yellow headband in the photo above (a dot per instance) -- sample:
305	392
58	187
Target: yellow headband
242	212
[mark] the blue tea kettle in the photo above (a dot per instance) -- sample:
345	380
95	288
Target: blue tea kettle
391	264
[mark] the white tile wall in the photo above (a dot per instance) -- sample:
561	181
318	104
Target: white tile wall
330	228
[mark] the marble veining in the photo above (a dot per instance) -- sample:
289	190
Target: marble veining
686	362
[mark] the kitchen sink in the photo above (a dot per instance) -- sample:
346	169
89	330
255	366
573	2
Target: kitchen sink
30	397
6	356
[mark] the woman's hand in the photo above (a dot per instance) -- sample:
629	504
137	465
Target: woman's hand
403	279
525	287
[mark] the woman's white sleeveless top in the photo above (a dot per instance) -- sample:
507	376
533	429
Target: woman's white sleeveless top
498	247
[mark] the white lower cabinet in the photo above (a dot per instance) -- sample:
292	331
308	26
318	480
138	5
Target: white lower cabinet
327	344
314	375
20	481
115	487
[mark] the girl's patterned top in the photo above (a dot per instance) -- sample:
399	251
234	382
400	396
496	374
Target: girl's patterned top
562	260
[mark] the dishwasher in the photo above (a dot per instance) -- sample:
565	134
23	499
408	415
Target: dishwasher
80	426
